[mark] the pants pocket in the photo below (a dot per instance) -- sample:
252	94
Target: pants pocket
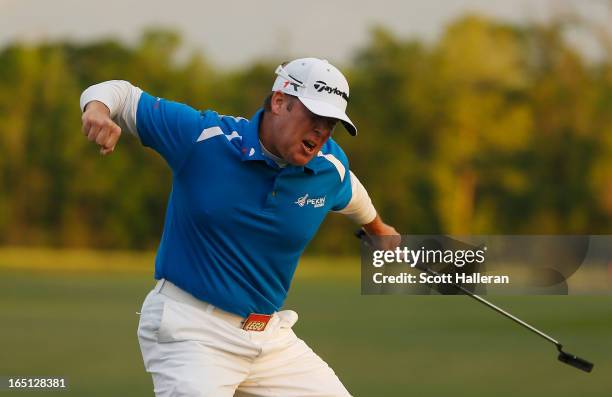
180	322
150	316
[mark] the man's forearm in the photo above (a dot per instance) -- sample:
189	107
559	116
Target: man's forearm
379	228
120	97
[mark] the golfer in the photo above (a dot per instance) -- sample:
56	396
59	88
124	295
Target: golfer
247	197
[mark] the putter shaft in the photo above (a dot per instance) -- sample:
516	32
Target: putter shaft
564	357
496	308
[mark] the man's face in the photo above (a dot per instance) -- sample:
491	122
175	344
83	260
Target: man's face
299	134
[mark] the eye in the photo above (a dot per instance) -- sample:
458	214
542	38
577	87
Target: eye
328	124
324	123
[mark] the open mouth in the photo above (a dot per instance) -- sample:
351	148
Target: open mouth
309	145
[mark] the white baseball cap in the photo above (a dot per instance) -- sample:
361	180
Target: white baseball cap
319	85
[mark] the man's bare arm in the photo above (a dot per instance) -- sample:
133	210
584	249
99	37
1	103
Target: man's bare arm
379	228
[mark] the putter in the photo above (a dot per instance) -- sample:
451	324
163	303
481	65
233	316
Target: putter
564	357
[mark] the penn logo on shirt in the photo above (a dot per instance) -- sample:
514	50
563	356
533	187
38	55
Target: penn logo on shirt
316	202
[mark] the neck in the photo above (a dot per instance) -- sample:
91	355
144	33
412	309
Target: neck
265	134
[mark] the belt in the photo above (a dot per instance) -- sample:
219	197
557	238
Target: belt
170	290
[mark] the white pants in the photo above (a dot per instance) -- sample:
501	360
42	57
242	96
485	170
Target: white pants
191	353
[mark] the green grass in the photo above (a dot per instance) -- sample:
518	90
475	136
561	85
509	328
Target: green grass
82	326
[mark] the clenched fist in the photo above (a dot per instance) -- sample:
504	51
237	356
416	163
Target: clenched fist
99	127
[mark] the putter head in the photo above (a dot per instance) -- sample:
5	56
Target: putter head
564	357
574	361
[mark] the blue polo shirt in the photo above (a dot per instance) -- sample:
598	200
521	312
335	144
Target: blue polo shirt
236	224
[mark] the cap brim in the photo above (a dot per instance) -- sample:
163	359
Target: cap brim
326	110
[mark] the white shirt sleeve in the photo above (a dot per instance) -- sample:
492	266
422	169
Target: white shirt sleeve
120	97
360	209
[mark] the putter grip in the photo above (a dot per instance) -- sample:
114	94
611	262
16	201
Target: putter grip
575	361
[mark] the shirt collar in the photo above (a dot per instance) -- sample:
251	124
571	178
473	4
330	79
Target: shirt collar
250	139
251	149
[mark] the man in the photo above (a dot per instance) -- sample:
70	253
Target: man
247	196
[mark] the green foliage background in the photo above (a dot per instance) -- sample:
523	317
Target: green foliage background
493	128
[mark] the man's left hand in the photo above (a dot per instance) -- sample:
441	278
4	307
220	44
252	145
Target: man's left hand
379	228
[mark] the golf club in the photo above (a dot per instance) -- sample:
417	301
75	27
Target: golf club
564	357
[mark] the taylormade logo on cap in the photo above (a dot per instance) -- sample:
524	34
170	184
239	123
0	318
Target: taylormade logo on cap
319	85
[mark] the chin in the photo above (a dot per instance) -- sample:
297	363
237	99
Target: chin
295	158
299	163
300	160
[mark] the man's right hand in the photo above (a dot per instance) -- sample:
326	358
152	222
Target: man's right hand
99	127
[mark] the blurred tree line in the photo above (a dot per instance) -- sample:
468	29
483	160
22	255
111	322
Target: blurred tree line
493	128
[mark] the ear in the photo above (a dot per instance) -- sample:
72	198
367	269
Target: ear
277	102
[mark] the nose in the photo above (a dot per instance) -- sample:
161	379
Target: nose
322	128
